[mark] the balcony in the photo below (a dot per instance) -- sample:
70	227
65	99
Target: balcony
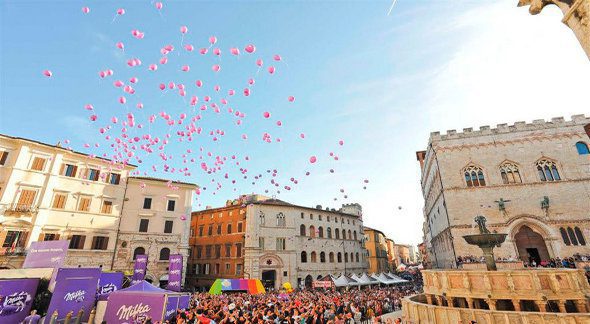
20	209
18	251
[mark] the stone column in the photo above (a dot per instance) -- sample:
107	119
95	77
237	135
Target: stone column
438	300
561	304
542	305
469	302
491	304
516	303
450	302
429	299
581	306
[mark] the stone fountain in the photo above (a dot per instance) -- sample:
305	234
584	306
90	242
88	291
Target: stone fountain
486	241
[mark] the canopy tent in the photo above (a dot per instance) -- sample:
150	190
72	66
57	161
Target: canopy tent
395	279
370	280
344	281
252	286
360	281
382	278
141	301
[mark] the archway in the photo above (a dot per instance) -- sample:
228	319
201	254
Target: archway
268	278
308	281
530	245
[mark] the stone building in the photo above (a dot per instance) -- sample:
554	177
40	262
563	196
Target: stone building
217	239
403	254
48	192
530	180
377	250
155	221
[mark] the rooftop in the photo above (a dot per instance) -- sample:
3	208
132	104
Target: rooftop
162	180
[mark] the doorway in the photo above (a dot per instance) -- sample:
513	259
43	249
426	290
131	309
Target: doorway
531	245
308	281
268	279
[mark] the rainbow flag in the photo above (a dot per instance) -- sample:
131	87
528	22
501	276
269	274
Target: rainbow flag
252	286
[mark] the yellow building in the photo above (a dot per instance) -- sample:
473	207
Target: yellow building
376	245
50	193
391	256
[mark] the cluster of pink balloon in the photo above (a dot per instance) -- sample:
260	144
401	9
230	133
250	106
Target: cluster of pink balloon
149	136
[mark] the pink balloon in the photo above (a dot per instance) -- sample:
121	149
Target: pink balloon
203	51
291	98
114	120
199	83
171	85
235	51
118	83
183	29
109	72
93	117
250	48
120	11
162	86
302	135
231	92
85	10
89	107
186	68
122	99
246	92
163	60
153	67
158	5
139	105
279	123
341	142
189	47
271	69
217	51
212	40
277	57
120	45
102	74
313	159
216	68
47	73
266	114
134	80
259	62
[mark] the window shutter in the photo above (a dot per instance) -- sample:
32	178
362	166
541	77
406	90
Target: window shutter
82	241
61	169
105	243
41	236
94	242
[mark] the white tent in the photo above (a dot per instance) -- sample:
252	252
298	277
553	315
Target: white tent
382	278
344	281
359	280
366	278
394	278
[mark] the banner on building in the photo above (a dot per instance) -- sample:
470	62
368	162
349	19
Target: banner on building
109	282
134	307
322	284
75	288
139	269
174	303
175	272
16	298
46	254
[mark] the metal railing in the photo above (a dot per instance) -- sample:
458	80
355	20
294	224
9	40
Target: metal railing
9	251
21	208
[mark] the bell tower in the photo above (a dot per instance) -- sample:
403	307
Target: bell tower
576	15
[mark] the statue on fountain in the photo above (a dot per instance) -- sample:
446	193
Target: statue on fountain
481	223
486	241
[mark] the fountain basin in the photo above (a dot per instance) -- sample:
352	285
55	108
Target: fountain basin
486	240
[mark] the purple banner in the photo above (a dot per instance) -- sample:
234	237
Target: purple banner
130	307
175	272
109	282
139	269
46	254
74	288
16	298
174	303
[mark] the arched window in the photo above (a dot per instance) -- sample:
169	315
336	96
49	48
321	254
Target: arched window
564	236
303	257
320	231
351	257
345	257
580	236
228	228
311	231
582	148
281	220
331	256
354	233
322	257
329	231
349	235
344	234
474	176
164	254
314	257
339	257
138	251
337	232
357	257
572	236
547	170
510	174
262	218
302	230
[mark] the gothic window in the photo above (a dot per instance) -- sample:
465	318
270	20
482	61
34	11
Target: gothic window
474	176
164	254
547	170
281	220
262	218
354	234
510	174
580	236
329	232
322	257
138	251
303	257
572	236
311	231
302	230
337	232
357	257
331	256
339	257
320	232
314	257
582	148
564	236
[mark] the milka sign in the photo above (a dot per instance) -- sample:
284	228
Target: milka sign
125	312
125	307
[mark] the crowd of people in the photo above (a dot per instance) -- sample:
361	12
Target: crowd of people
569	262
298	307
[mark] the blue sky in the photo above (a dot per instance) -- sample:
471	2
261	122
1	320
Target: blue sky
380	83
